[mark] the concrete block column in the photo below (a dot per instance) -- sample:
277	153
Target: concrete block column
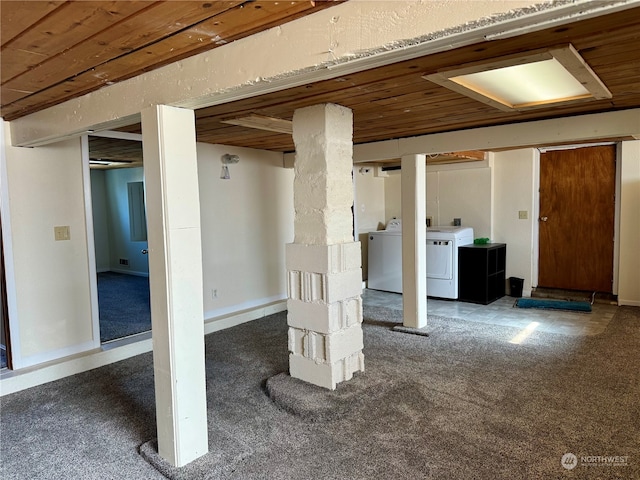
323	263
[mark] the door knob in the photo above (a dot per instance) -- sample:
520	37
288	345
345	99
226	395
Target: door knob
543	219
144	251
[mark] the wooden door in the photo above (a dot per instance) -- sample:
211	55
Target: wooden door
577	208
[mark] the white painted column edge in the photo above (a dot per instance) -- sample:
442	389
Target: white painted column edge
414	240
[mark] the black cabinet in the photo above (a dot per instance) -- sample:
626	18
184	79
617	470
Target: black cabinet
481	272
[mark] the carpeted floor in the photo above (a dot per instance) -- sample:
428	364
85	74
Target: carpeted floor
124	305
463	403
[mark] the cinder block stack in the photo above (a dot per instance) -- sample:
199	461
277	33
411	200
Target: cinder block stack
323	263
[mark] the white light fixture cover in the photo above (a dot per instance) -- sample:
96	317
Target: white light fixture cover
535	80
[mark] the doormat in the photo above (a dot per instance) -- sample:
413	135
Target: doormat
553	304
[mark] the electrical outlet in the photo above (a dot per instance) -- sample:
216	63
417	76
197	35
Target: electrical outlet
61	233
214	293
523	214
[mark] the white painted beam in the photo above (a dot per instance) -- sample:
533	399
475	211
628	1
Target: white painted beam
175	278
623	124
414	240
136	137
346	38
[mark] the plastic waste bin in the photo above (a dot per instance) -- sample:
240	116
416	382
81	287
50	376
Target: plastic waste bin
515	286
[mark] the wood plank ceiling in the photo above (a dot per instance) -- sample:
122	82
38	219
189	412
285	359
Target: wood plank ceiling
53	51
393	101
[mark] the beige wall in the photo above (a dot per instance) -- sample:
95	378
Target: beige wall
369	210
53	310
514	189
490	199
452	192
246	222
513	180
393	195
629	270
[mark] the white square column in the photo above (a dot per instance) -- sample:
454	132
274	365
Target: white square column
175	277
414	240
323	263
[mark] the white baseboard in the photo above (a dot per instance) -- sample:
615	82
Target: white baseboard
12	381
630	303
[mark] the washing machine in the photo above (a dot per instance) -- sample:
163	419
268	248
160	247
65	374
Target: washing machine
442	259
385	258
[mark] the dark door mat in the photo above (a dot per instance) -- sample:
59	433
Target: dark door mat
553	304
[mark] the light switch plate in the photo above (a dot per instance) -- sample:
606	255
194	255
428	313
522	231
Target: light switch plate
523	214
62	233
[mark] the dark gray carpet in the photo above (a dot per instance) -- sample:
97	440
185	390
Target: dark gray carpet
124	305
462	403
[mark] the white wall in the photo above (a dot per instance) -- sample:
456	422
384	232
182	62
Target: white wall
52	317
466	194
393	195
453	191
629	272
513	181
246	222
369	210
100	220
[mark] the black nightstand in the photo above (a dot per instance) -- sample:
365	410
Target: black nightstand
481	272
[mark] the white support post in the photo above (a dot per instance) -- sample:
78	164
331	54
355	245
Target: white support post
414	240
175	274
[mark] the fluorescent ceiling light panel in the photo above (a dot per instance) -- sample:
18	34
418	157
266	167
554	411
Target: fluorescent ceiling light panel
262	122
535	80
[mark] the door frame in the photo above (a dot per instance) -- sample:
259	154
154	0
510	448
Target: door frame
535	230
91	247
9	270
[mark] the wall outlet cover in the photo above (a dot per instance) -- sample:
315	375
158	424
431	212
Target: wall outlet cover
62	233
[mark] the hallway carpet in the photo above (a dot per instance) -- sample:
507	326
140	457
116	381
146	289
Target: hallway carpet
463	403
124	305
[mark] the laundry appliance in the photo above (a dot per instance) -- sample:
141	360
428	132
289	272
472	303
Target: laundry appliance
442	259
385	258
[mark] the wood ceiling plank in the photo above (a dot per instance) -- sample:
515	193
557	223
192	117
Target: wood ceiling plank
232	22
57	35
147	23
18	16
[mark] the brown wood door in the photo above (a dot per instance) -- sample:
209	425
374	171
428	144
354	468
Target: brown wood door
577	208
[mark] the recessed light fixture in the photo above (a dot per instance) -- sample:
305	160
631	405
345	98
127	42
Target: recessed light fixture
534	80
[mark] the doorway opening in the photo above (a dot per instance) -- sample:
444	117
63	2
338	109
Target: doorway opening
120	239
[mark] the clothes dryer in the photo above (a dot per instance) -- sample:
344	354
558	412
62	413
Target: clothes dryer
442	259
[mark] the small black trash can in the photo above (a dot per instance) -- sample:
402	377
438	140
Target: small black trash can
515	286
